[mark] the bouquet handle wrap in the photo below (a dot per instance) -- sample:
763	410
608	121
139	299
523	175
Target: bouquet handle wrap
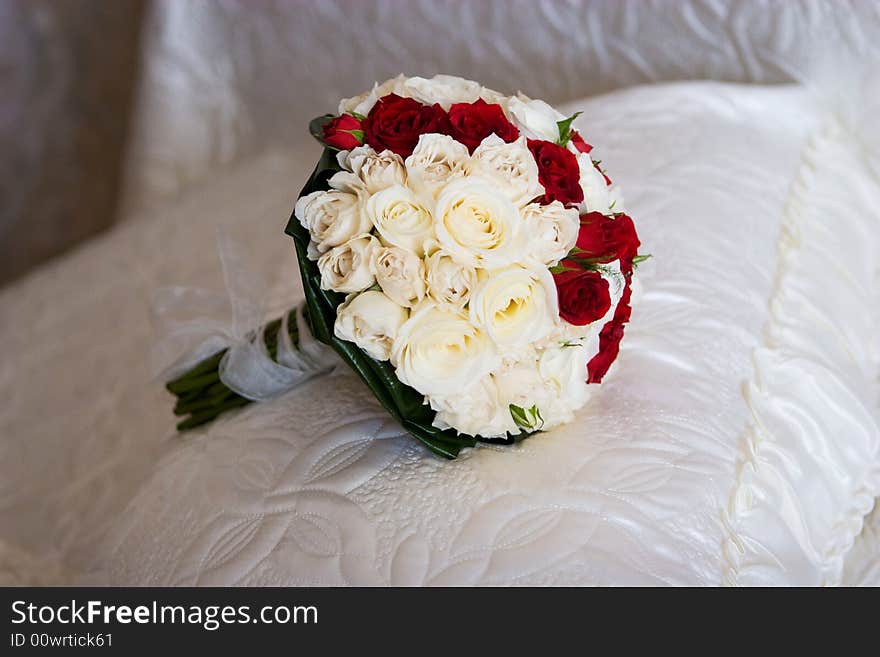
228	364
251	371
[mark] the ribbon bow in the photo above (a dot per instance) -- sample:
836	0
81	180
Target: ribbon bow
194	324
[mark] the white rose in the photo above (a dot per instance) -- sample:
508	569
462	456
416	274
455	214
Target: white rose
564	372
449	282
375	171
512	357
511	167
347	267
535	118
442	89
400	218
477	224
552	229
363	103
597	197
346	181
569	334
332	218
495	98
438	352
515	306
400	274
435	162
521	383
371	320
475	410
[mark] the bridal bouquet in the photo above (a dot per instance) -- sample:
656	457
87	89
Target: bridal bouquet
464	253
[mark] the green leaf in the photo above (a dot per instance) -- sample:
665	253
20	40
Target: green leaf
565	129
641	258
560	269
529	419
592	259
359	117
316	126
586	264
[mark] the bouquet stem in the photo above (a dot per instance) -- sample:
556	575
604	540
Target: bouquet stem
202	396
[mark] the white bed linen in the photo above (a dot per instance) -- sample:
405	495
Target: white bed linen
735	441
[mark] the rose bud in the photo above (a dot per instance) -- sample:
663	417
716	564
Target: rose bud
343	132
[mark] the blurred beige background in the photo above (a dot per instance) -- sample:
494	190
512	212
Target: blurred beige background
68	74
108	108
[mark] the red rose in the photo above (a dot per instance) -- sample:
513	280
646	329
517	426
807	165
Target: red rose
558	172
609	339
604	239
583	295
338	132
395	123
579	143
473	122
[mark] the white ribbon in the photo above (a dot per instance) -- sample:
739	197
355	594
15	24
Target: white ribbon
194	323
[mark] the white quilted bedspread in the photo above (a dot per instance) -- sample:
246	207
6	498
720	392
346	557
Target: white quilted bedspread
735	441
